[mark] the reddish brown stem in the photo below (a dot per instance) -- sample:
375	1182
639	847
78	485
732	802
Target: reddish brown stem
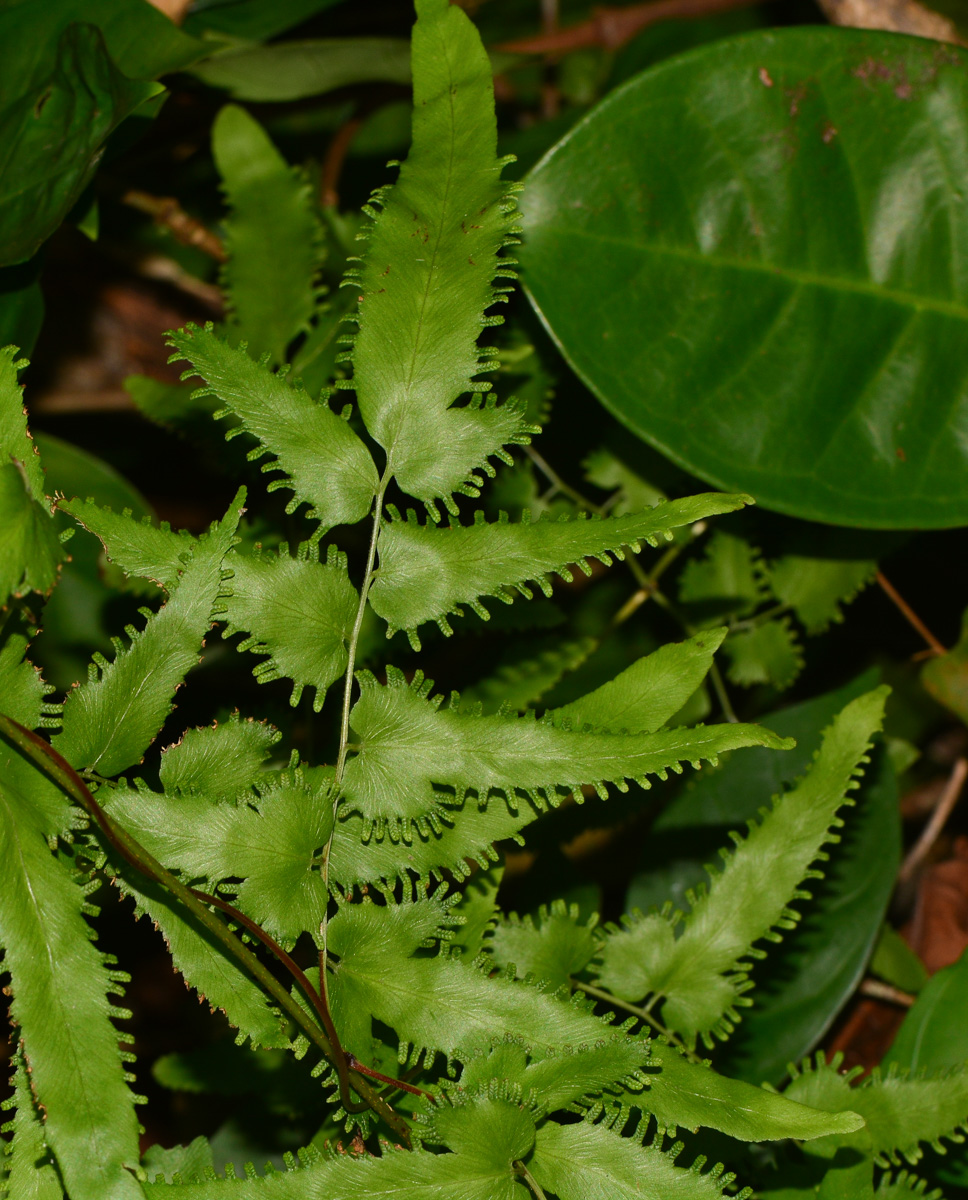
909	614
354	1064
613	27
167	212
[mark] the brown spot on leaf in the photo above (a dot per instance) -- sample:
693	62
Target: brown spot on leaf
765	77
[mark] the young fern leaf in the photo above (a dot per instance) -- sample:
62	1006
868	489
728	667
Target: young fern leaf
902	1113
903	1186
61	986
645	695
272	236
297	611
323	461
590	1162
702	974
687	1095
406	744
552	951
137	547
478	907
427	277
270	843
221	761
427	572
110	720
30	551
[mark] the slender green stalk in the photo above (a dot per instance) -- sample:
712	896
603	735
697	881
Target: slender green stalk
344	733
58	769
644	1014
521	1170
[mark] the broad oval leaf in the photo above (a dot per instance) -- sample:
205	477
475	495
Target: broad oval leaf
811	352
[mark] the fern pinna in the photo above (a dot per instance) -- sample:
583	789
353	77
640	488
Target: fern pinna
470	1054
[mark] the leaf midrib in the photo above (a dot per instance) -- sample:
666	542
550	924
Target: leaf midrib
838	283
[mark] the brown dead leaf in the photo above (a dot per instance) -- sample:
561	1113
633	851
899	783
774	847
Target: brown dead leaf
938	929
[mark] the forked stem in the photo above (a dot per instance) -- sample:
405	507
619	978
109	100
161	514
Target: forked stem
642	1013
56	767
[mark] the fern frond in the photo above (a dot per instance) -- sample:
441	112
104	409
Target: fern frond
137	547
727	580
645	695
901	1112
180	1164
478	908
202	964
220	761
406	744
428	275
481	1173
30	549
31	1170
444	1005
702	972
271	844
687	1095
552	951
590	1162
110	720
903	1186
768	653
61	987
323	462
299	612
427	572
272	235
815	588
23	692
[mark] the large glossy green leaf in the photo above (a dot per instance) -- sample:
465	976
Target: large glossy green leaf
751	255
52	137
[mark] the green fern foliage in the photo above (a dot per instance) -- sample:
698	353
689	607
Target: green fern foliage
407	743
31	1173
590	1162
29	548
69	1041
903	1114
110	720
428	572
221	761
697	962
428	275
323	461
298	611
137	547
272	237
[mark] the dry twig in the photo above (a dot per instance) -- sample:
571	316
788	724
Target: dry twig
929	835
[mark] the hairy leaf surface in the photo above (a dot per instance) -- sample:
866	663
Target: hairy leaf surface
396	1176
427	277
701	972
443	1004
323	461
137	547
298	612
589	1162
32	1173
900	1112
61	986
219	761
270	843
110	720
407	743
692	1096
427	572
